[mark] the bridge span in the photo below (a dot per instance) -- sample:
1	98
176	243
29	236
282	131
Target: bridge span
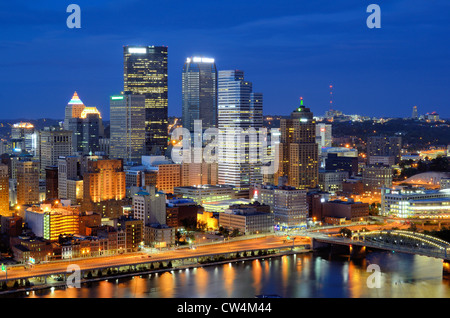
394	240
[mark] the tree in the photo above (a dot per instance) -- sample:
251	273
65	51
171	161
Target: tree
169	265
178	236
345	232
235	233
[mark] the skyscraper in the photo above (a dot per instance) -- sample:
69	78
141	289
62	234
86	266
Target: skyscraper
27	182
415	115
73	110
4	189
379	147
86	126
104	187
239	109
298	149
199	88
53	143
145	73
127	127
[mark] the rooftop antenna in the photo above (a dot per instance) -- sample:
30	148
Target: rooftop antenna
331	97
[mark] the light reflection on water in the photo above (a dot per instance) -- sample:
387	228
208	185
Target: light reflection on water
296	276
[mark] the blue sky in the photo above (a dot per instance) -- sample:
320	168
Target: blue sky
287	49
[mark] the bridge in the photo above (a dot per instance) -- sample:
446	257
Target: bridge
393	240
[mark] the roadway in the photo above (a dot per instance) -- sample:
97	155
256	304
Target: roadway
50	268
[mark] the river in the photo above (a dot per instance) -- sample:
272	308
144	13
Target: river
295	276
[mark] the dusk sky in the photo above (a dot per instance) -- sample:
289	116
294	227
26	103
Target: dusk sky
287	48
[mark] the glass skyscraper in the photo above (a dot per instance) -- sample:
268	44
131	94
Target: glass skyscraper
145	73
127	127
199	92
239	109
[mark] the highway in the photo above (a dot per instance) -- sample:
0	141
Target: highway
136	258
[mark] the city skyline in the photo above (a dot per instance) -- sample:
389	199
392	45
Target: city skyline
289	49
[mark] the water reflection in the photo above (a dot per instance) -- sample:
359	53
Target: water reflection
303	275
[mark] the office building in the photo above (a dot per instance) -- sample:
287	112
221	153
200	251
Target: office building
199	92
4	190
149	206
145	73
248	219
415	114
206	193
412	202
27	182
384	146
49	221
25	133
239	109
288	203
350	210
51	182
331	181
181	212
298	149
104	187
376	177
324	135
127	127
73	110
53	143
334	162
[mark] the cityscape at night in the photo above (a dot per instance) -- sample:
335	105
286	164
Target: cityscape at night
225	155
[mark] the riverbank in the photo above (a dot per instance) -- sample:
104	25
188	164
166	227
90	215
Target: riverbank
121	275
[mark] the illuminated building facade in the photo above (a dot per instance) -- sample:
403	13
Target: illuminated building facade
27	182
50	221
199	90
24	132
376	177
206	193
298	149
415	202
4	190
145	73
127	127
104	187
288	204
239	109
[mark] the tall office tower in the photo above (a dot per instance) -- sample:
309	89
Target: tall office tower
298	149
4	190
51	182
376	177
145	73
381	147
27	182
104	187
86	126
73	110
238	109
24	132
199	89
127	127
323	135
70	182
415	115
53	143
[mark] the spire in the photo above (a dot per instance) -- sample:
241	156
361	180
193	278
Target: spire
75	100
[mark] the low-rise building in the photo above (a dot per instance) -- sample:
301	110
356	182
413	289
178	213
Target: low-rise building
350	210
159	235
248	219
